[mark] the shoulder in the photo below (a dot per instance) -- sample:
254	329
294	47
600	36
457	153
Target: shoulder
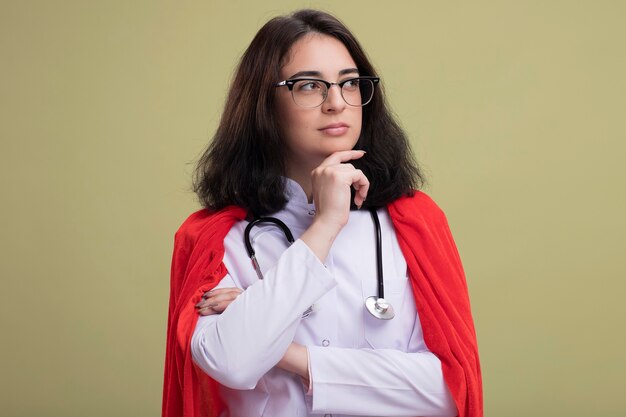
203	222
418	204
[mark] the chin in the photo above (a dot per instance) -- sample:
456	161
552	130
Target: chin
331	150
341	144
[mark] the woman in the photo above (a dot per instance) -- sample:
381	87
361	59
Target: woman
306	138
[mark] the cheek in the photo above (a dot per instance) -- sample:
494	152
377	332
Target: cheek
285	117
358	122
291	125
295	122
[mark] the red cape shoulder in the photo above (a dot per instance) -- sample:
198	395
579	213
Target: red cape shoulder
199	221
418	204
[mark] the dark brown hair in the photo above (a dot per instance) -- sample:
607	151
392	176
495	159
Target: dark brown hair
244	164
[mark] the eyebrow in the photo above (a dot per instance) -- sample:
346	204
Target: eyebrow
319	74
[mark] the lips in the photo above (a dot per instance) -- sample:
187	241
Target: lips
334	129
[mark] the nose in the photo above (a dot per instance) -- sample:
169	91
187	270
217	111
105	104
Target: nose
334	101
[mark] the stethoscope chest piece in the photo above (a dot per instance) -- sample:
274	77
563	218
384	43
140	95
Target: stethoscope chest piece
379	308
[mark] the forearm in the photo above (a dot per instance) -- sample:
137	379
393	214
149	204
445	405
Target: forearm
319	237
296	360
382	382
251	336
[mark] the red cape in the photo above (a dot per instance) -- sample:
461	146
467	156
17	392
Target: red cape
436	275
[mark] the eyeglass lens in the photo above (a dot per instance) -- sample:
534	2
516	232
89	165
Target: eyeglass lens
311	93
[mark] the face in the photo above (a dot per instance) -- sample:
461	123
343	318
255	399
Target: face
312	134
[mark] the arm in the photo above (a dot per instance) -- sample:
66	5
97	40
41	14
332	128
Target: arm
385	382
382	382
408	381
251	336
266	315
331	183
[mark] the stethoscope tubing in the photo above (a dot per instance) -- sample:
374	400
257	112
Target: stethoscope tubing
256	221
248	242
379	254
377	306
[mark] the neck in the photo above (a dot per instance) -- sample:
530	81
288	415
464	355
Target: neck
303	177
305	182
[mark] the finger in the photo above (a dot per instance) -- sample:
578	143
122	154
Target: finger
220	291
361	185
207	311
218	297
344	166
213	301
342	156
219	306
214	305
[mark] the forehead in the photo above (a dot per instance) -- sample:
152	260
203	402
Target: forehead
317	52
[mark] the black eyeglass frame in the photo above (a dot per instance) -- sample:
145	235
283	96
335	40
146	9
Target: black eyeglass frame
291	82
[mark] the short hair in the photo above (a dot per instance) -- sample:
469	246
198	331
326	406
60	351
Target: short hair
244	164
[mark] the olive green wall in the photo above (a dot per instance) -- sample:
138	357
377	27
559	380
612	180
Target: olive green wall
514	108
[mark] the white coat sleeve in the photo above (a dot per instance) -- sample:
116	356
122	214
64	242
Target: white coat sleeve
239	346
381	382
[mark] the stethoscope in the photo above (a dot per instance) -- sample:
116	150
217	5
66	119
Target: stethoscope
377	306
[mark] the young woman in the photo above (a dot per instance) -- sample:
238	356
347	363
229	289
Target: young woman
366	312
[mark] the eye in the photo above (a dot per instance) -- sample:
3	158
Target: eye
307	86
351	85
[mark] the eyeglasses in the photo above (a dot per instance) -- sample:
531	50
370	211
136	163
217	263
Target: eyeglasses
312	92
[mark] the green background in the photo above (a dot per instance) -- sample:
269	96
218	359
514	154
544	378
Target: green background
515	109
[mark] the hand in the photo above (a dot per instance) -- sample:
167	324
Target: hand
296	360
331	183
216	301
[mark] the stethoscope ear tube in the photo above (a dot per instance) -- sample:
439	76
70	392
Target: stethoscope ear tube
279	223
252	254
